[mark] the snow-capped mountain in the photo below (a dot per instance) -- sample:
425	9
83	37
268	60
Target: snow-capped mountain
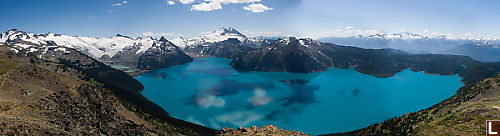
419	44
215	36
394	36
118	50
223	34
123	50
94	47
226	42
218	36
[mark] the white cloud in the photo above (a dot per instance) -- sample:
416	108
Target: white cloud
240	119
186	1
214	124
116	4
170	2
158	35
345	32
232	1
207	101
349	28
260	98
257	8
211	5
426	30
206	6
119	4
262	33
192	120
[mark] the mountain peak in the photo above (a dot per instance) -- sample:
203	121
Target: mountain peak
287	40
229	31
13	31
233	41
163	39
120	35
221	35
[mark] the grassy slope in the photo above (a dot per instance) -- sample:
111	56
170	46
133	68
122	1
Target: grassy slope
465	118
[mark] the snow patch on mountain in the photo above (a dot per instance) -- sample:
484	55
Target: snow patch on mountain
213	37
179	42
95	47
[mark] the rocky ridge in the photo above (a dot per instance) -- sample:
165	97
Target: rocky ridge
38	91
269	130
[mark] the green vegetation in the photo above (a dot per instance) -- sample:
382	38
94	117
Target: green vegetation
96	83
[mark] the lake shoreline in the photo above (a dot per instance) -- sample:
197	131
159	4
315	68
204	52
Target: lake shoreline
162	74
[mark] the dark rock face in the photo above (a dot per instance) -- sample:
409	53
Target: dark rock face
306	55
163	54
228	49
127	57
284	55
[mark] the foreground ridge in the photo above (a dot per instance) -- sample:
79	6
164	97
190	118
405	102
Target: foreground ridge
268	130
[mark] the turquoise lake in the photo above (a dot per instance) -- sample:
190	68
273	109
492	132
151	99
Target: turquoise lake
210	92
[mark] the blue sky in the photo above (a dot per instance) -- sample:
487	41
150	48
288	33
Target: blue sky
301	18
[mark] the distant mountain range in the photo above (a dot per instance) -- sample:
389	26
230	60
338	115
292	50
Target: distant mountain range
481	49
138	53
226	42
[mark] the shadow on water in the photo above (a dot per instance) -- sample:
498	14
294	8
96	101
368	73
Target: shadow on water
303	92
355	92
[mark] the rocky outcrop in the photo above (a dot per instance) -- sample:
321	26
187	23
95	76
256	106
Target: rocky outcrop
227	49
269	130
